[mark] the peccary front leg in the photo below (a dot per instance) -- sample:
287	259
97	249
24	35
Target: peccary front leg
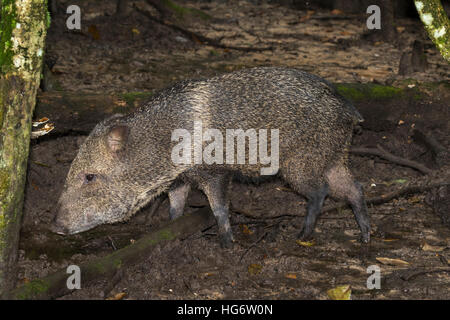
177	197
313	209
216	189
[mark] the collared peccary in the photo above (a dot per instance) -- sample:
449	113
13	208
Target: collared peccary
129	160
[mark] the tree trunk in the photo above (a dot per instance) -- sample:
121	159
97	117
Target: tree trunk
22	38
436	23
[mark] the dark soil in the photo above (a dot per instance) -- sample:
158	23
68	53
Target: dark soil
136	54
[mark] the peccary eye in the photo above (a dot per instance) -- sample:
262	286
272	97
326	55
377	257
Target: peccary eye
89	178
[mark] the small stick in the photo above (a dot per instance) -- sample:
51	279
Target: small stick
380	152
253	244
410	275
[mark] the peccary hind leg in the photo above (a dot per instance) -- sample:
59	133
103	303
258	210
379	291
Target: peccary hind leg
216	189
359	208
343	186
313	209
177	197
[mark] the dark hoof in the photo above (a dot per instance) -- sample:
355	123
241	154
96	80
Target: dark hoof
226	241
365	237
305	236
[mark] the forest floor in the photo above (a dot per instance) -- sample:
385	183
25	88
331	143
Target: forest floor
136	54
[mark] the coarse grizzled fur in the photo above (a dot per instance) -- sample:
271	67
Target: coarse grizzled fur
126	160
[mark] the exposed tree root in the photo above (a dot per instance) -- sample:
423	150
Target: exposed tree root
380	152
55	285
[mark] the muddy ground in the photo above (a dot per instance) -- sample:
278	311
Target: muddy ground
135	54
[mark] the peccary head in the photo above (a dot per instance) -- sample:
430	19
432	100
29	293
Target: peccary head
112	176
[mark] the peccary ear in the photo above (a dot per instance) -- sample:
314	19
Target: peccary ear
117	138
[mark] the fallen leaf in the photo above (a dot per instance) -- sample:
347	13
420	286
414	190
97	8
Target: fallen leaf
207	274
427	247
414	199
291	276
305	243
246	230
309	13
135	31
392	262
118	296
92	29
336	12
340	293
254	269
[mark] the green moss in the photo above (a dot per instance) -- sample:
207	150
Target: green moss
7	25
165	235
2	105
160	236
357	92
5	180
33	289
49	19
3	225
100	267
182	11
435	85
381	92
349	92
418	97
117	263
213	53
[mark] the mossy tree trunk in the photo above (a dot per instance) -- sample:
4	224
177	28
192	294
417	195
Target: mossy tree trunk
436	23
23	26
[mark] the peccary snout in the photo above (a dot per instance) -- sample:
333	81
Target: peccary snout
66	224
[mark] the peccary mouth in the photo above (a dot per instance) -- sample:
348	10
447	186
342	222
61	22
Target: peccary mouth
62	230
69	222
